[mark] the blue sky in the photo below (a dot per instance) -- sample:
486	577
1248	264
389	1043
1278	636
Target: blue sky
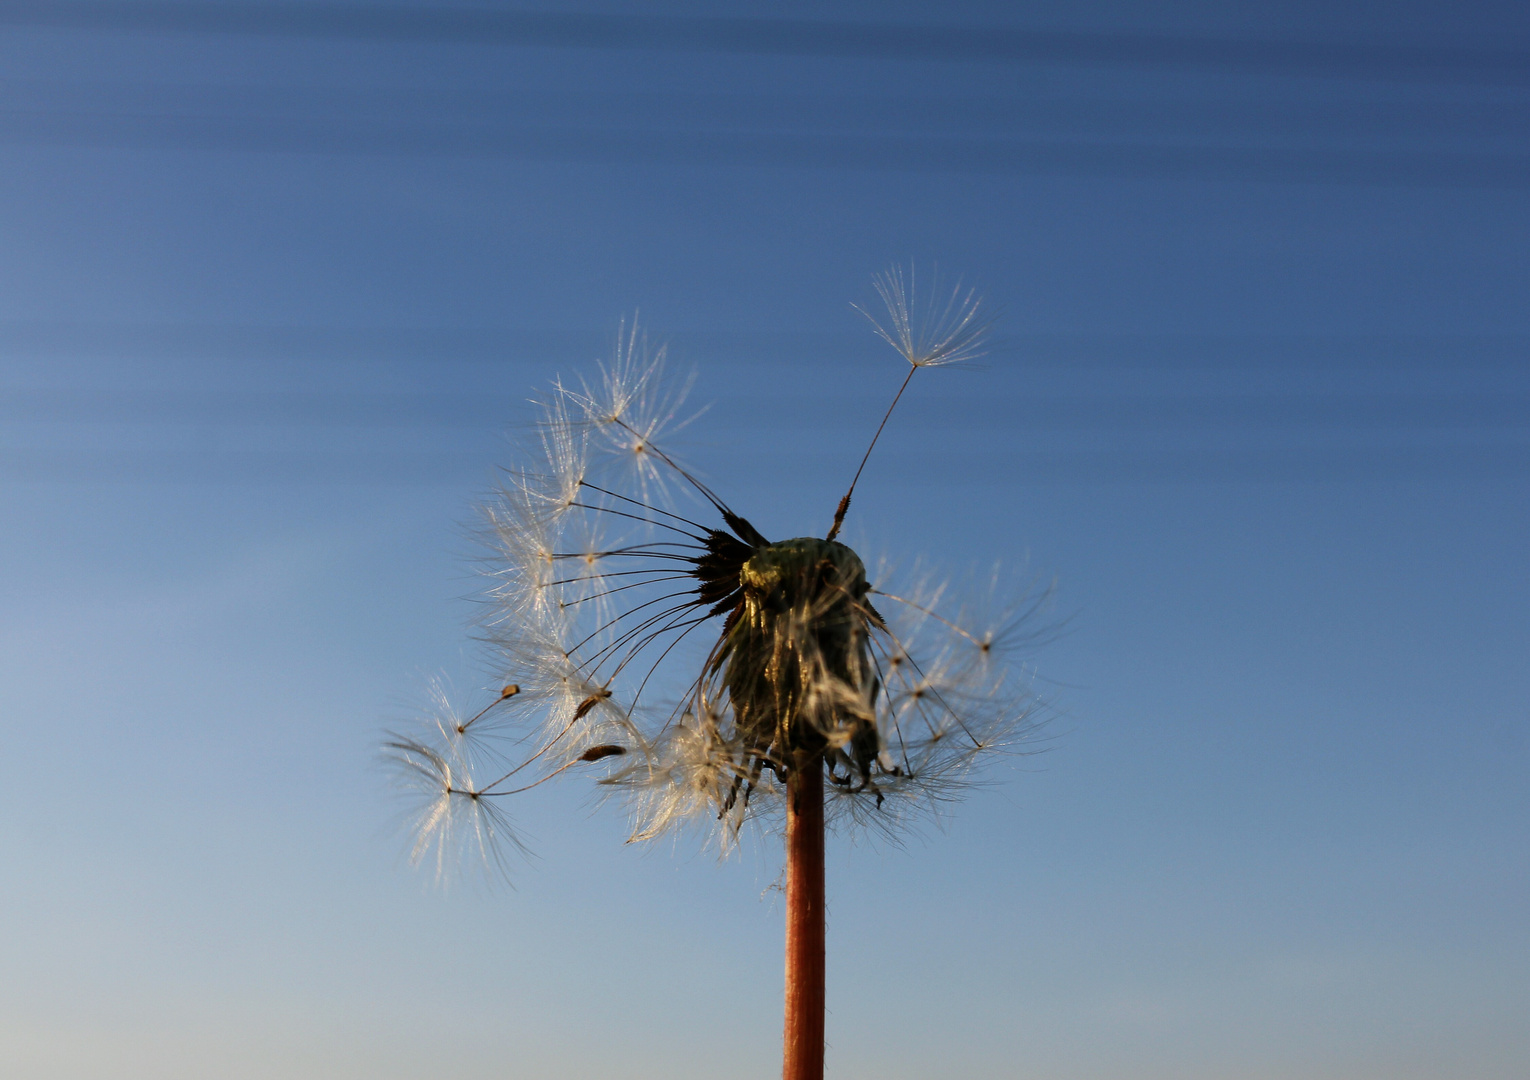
273	300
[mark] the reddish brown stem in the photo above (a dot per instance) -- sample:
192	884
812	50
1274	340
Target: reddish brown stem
803	1056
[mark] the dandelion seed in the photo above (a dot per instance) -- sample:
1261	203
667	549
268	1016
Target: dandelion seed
948	335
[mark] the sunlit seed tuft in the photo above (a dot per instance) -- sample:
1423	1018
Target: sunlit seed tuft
930	328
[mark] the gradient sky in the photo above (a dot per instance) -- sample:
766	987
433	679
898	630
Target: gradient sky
275	286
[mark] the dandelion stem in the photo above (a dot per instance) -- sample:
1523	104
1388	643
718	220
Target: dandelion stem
802	1057
844	504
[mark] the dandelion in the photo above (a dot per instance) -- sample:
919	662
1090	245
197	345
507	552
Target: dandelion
654	640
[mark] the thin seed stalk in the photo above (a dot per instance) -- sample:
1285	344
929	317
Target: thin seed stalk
803	1040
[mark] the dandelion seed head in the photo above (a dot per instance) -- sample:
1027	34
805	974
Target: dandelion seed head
662	646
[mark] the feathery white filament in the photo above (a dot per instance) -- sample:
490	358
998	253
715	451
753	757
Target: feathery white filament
932	329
